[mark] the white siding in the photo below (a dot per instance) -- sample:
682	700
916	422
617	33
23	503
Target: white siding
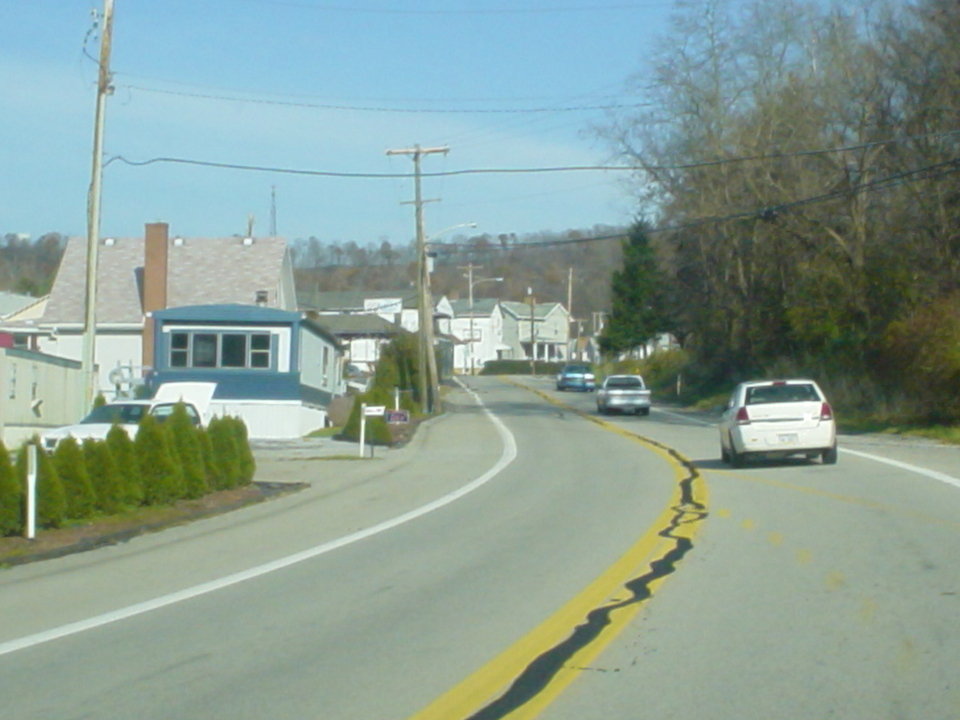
23	382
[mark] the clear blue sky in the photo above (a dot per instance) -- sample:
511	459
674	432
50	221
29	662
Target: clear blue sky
285	64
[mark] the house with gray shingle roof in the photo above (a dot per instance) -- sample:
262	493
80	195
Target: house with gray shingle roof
140	274
398	307
362	335
227	289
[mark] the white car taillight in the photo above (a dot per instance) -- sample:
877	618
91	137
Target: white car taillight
826	412
743	418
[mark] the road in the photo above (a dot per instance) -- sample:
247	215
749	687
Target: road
519	544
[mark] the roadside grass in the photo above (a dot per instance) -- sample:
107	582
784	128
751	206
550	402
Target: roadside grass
847	422
866	424
326	432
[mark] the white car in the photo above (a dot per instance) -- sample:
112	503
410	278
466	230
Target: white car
777	418
127	414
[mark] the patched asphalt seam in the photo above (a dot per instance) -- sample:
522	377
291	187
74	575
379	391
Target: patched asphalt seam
538	674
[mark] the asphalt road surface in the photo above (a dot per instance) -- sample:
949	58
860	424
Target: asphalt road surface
521	558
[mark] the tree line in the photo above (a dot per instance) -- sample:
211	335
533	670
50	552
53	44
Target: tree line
798	183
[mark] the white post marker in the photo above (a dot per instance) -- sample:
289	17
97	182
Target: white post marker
31	529
363	426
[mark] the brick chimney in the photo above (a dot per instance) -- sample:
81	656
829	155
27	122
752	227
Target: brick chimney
156	249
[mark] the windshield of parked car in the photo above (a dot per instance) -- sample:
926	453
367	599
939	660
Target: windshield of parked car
763	394
624	382
123	413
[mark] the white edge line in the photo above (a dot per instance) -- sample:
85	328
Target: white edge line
933	474
942	477
508	455
691	420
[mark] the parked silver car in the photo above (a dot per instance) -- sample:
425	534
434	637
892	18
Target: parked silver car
777	418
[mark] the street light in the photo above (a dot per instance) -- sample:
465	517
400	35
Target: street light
441	232
472	283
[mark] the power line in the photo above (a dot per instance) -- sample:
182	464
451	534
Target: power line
766	212
385	108
525	170
462	12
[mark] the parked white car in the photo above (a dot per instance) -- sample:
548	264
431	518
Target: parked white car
127	413
777	418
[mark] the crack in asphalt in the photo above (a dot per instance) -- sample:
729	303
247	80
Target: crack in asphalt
539	673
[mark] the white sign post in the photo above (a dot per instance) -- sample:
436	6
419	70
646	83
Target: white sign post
365	412
31	529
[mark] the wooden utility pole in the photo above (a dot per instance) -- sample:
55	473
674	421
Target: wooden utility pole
104	88
428	381
470	268
533	335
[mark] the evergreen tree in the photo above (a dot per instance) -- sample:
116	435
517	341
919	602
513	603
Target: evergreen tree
104	476
247	463
127	464
72	468
186	445
160	473
211	470
636	314
11	496
225	454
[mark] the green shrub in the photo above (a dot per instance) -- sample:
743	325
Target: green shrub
72	469
226	455
160	473
51	497
106	481
210	468
377	431
247	465
11	496
186	446
127	465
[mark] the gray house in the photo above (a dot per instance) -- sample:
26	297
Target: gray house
542	332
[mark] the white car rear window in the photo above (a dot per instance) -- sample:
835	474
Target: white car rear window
785	393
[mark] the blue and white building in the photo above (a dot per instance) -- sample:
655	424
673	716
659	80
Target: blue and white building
276	370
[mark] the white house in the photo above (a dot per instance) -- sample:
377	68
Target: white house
480	330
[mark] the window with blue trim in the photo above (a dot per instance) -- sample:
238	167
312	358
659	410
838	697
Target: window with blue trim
233	350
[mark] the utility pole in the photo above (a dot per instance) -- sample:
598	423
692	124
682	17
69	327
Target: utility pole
570	312
428	381
470	268
273	211
533	336
104	88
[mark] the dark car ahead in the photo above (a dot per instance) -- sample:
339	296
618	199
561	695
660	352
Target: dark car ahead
576	377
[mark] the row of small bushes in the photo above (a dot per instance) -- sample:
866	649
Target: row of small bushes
166	462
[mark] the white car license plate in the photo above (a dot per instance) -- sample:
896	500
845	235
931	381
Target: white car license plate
787	438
